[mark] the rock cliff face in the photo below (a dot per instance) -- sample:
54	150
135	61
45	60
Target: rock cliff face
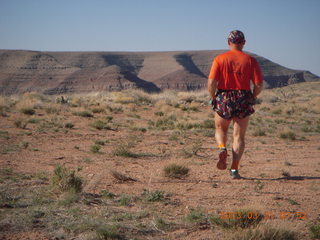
69	72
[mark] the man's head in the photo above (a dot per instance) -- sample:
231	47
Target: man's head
236	40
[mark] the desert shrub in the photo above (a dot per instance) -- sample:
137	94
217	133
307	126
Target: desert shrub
115	109
135	96
107	194
69	125
27	110
98	110
99	142
20	123
95	148
276	111
314	230
259	132
266	233
109	118
99	124
108	233
52	110
83	114
164	123
123	150
175	171
141	129
196	215
159	113
208	123
163	225
153	196
125	200
287	134
34	120
66	180
243	218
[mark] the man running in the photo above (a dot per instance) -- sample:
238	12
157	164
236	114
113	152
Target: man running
232	98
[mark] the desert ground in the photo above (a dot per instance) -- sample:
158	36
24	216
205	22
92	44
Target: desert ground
132	165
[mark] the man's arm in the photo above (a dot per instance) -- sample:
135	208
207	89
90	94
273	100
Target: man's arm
257	89
212	87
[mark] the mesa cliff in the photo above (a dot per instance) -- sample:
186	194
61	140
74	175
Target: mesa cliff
77	72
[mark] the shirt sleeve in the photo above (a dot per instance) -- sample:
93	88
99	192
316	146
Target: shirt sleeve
215	71
256	72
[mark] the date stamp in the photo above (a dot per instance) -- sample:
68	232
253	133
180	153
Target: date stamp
284	215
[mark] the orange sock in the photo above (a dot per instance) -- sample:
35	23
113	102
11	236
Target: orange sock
235	165
221	146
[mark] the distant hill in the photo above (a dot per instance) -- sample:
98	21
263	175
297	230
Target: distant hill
69	72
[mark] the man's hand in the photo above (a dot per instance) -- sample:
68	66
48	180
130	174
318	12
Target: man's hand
212	87
257	89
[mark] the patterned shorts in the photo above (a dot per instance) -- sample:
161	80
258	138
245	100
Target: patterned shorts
233	103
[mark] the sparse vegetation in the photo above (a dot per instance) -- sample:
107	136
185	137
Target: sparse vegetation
314	230
69	125
95	148
266	233
100	125
110	232
21	123
259	132
196	215
66	180
242	218
153	196
171	126
176	171
86	114
287	134
28	111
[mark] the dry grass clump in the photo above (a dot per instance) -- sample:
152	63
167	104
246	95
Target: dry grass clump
136	96
242	218
195	96
176	171
266	232
314	230
5	105
66	180
287	134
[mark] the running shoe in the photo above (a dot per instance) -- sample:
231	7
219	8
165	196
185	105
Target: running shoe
222	163
235	174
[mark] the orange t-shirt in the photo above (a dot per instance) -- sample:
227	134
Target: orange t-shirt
234	69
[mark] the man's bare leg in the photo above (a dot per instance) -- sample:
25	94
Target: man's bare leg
222	126
239	132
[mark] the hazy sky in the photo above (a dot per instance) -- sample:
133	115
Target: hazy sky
284	31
